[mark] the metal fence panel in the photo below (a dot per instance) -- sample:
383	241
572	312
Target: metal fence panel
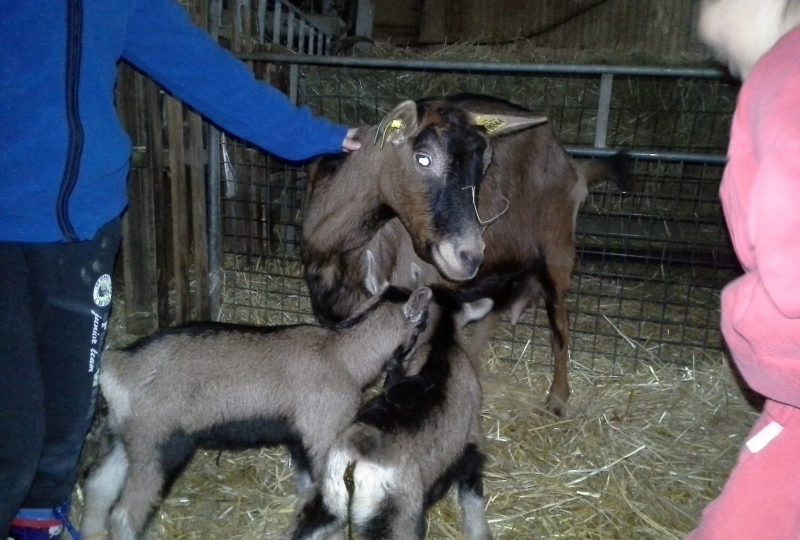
651	261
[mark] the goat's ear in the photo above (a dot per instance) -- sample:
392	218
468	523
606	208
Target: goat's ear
416	275
503	124
475	310
416	307
374	282
398	125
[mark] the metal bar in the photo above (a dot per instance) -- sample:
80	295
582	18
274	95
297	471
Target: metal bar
714	159
482	67
603	110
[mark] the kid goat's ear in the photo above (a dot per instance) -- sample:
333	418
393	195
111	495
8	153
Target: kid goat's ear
416	308
475	310
374	281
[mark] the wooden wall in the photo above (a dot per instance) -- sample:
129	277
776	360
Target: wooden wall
165	259
164	262
166	269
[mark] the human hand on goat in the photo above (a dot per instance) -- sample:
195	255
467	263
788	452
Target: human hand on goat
349	144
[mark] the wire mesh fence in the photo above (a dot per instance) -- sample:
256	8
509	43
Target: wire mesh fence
652	261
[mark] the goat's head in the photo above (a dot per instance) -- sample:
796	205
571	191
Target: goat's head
437	153
411	320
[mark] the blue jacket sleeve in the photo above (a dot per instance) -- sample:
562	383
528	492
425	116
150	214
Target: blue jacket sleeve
163	43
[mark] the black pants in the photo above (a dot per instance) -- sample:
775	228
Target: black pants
55	300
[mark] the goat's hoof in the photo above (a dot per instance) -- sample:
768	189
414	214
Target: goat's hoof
555	406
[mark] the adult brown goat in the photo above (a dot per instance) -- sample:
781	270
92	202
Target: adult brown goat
470	191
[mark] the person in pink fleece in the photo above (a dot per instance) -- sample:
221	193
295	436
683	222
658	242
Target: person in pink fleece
760	192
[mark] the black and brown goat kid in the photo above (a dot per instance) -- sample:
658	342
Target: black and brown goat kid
226	386
410	443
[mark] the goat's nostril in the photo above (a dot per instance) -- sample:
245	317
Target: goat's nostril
471	260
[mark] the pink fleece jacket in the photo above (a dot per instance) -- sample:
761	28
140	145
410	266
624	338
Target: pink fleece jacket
760	194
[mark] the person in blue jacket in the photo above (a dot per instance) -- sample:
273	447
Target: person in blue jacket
64	163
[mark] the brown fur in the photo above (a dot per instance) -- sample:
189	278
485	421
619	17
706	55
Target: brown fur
529	249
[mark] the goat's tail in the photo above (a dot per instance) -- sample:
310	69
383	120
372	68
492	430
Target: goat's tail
615	168
350	485
355	487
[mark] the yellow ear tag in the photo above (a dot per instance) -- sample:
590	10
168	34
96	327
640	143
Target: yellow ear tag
395	125
489	124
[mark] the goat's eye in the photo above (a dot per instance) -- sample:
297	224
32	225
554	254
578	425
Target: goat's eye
423	159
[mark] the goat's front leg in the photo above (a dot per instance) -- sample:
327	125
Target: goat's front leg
470	495
102	489
148	472
139	497
403	515
407	522
304	478
316	522
477	340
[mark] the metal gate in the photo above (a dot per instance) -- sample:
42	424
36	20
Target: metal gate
651	261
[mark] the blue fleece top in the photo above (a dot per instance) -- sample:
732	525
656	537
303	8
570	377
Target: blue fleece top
64	157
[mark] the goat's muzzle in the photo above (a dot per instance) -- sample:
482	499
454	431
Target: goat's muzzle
458	261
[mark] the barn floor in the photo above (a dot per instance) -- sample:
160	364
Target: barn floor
638	456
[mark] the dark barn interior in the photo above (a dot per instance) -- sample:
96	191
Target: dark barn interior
656	416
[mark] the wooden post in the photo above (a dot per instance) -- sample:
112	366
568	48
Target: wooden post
139	244
197	168
180	211
365	17
213	196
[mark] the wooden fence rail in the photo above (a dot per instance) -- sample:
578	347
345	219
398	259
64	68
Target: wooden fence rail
166	268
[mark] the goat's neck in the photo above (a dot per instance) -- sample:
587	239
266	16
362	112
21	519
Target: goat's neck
365	351
330	225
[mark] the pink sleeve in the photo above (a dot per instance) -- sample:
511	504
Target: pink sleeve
775	197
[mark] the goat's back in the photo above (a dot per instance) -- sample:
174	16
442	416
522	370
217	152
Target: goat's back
211	366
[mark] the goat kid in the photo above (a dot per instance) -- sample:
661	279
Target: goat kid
225	386
410	443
